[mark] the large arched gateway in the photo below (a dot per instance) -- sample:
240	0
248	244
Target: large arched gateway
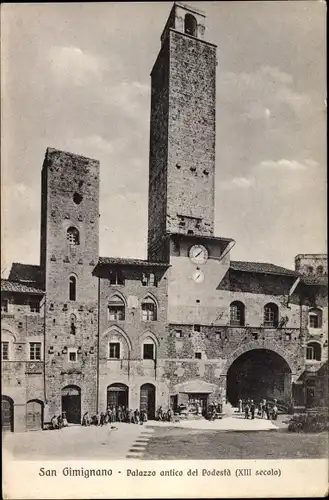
259	374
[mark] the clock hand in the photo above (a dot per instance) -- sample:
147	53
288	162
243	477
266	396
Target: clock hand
197	255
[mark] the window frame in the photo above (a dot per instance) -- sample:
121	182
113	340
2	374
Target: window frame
147	345
315	313
116	309
73	291
5	343
33	351
73	236
34	306
198	355
72	350
311	347
149	280
237	313
119	277
114	345
148	313
269	310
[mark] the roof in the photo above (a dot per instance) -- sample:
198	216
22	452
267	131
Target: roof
195	236
103	261
261	267
16	287
24	272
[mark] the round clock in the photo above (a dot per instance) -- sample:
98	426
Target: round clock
198	276
198	254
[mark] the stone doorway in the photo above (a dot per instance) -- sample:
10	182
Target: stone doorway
7	414
147	400
71	403
259	374
34	415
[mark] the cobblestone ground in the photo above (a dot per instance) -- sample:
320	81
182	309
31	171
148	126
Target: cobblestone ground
167	444
74	442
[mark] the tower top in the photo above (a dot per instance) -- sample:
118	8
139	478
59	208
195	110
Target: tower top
185	19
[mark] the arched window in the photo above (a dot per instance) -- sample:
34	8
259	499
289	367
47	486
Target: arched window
73	288
190	25
237	314
116	309
319	270
148	349
313	351
149	309
271	315
73	236
315	318
310	270
73	324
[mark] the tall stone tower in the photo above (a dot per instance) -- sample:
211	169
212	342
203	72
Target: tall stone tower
69	253
182	132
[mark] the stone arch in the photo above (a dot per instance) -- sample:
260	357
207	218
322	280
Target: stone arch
265	344
117	293
5	328
150	295
150	334
116	329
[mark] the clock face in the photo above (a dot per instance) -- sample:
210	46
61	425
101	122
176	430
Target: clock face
198	276
198	254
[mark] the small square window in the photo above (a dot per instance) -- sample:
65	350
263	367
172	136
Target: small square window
314	322
35	306
198	355
72	355
197	328
116	278
5	351
218	336
179	334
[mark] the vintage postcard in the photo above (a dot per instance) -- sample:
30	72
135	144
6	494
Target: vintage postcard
164	316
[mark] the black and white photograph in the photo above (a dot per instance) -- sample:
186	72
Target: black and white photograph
164	273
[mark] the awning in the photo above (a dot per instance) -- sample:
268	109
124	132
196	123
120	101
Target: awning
196	386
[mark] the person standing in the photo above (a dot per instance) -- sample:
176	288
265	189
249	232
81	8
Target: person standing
275	410
268	410
246	410
240	405
252	409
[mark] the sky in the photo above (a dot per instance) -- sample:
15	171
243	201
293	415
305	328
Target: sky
76	77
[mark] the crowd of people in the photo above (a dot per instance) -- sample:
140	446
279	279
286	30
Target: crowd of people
265	409
115	414
59	421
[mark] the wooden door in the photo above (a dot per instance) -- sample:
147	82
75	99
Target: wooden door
7	415
33	416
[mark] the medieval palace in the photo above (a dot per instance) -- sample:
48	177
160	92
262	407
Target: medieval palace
81	332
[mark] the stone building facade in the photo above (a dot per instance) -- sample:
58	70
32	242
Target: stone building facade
81	332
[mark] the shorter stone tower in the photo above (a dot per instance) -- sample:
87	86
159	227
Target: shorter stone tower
69	253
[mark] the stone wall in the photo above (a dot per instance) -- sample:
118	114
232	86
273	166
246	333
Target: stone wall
131	369
22	379
71	199
191	152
